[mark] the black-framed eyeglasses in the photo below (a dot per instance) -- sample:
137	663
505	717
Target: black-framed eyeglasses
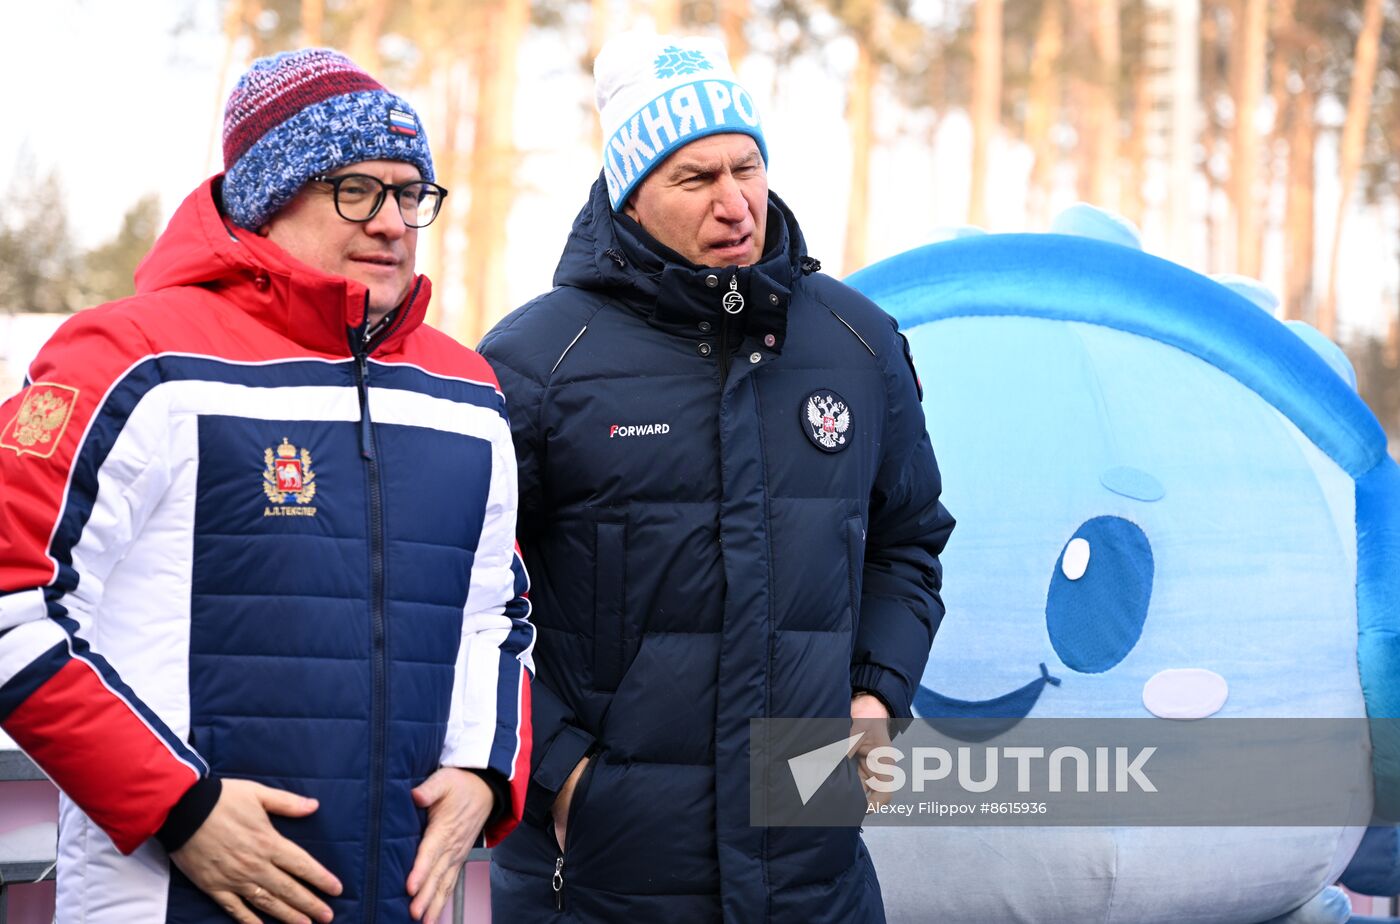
358	198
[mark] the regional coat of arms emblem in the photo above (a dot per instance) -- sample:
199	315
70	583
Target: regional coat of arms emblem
42	417
826	420
288	474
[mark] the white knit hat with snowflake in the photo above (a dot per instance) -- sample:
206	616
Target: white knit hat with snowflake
658	93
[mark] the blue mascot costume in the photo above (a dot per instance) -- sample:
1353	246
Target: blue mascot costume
1170	504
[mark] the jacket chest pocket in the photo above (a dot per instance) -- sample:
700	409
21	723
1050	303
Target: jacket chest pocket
615	644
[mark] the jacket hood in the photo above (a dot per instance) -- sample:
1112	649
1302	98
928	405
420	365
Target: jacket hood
201	247
612	256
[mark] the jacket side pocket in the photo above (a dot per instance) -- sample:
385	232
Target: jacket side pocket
609	606
855	558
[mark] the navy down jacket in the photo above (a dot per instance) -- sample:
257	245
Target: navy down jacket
725	516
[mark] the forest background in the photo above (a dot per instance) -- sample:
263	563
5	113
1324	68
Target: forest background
1257	137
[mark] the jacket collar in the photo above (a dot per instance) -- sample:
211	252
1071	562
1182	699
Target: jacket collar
612	254
315	309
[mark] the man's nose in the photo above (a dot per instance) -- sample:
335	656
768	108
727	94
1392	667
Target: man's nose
730	205
388	221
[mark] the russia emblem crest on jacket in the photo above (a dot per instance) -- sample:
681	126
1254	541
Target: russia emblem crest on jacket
828	417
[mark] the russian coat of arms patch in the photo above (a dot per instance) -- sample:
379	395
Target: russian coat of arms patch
826	419
43	416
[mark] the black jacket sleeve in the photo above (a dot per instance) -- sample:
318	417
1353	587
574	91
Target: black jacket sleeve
558	742
908	528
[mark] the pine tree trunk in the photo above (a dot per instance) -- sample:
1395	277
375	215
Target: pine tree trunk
1042	106
1178	38
1363	81
1284	41
1299	215
598	25
1083	102
1132	196
449	82
364	37
859	116
665	14
1392	353
733	14
435	87
235	16
313	22
1215	82
493	166
986	102
1250	41
1283	37
1107	44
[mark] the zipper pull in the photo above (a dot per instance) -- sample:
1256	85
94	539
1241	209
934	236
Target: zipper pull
558	883
362	376
733	301
361	353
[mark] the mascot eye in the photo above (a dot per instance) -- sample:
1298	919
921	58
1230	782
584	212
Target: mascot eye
1075	561
1099	593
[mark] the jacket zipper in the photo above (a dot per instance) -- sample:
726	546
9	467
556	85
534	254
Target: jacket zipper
580	790
361	341
724	348
723	351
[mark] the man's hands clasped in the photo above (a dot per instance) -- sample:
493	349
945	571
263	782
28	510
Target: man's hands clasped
239	860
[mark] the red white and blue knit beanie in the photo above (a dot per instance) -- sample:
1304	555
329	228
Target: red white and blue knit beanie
658	93
301	113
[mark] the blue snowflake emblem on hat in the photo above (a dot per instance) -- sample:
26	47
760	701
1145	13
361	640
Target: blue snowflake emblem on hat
677	62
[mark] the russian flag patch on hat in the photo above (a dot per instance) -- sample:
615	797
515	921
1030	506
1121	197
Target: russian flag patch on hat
403	123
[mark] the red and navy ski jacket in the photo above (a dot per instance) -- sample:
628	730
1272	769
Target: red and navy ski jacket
237	541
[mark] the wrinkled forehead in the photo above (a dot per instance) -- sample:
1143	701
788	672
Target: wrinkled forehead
713	152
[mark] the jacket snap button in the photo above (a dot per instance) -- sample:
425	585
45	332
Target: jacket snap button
773	299
712	280
769	340
755	357
704	327
261	282
704	349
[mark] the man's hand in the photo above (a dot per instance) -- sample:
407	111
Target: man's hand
869	715
458	804
238	859
563	800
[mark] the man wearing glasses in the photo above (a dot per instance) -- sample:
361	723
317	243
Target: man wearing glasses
261	617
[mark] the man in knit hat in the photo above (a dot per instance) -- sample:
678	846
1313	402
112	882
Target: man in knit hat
261	617
730	509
